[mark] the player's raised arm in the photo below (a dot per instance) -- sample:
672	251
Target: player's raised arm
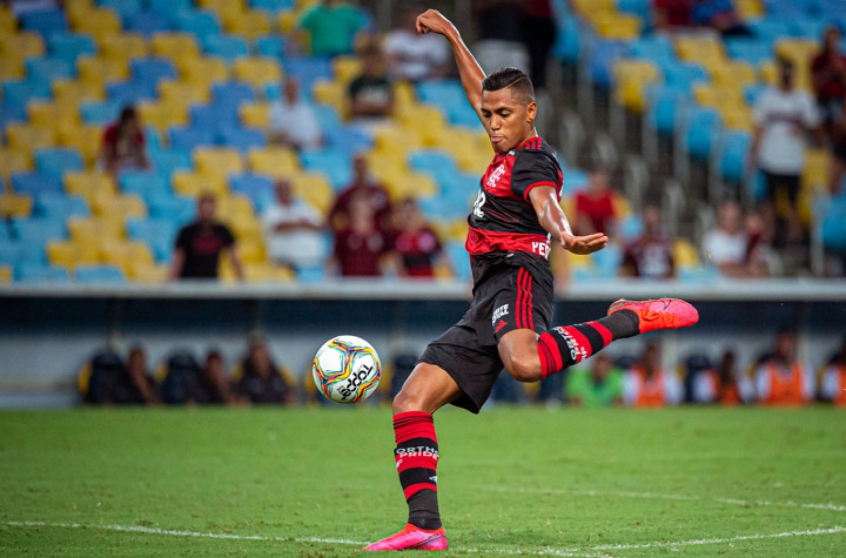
553	220
472	74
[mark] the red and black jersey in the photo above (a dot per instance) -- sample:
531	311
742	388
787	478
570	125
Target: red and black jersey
503	218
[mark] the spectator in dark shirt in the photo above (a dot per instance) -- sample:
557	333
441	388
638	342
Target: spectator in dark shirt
651	255
500	32
594	211
414	242
262	382
539	33
124	144
671	14
211	387
339	216
200	244
829	77
370	94
360	247
135	386
721	16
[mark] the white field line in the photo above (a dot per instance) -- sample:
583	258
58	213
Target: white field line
657	496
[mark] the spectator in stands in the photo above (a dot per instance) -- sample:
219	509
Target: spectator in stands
669	15
500	41
722	385
828	70
262	381
594	207
601	386
781	379
783	117
539	32
199	245
212	386
124	145
293	122
135	386
760	256
331	27
651	255
363	183
370	94
833	386
719	15
726	246
414	242
648	385
414	57
292	229
360	247
21	7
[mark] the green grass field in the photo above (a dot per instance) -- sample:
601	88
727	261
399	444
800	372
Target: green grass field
300	482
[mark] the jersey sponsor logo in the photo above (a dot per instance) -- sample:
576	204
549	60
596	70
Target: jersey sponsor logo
541	249
493	179
577	352
417	451
500	325
500	312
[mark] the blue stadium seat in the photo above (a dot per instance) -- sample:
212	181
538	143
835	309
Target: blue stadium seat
34	183
242	139
733	156
271	46
608	261
38	230
17	93
186	139
640	8
58	207
308	70
9	252
440	164
123	8
40	273
656	48
146	184
68	47
99	113
630	228
258	188
131	92
272	6
4	231
348	138
664	105
57	161
44	23
167	161
11	113
159	235
232	94
173	209
749	50
702	129
336	164
459	260
146	24
602	59
568	46
573	181
807	28
201	23
327	117
152	70
684	76
770	30
48	69
228	48
99	274
785	9
213	118
170	8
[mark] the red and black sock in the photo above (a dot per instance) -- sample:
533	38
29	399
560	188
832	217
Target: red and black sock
417	463
561	347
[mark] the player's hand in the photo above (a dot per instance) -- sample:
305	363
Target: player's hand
584	245
433	21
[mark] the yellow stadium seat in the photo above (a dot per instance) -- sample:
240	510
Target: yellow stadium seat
99	22
273	161
13	161
12	205
410	185
150	274
704	49
685	253
174	45
346	68
11	68
21	45
218	161
622	207
162	115
123	47
69	254
120	207
26	139
50	115
239	216
331	93
251	24
737	117
258	273
8	23
384	165
617	27
94	231
204	71
187	183
632	79
287	20
98	71
223	7
5	274
801	53
183	93
736	75
393	138
86	139
749	9
817	172
315	189
255	115
125	254
89	185
258	71
715	97
586	7
75	92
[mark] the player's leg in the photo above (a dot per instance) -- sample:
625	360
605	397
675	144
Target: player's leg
530	357
427	389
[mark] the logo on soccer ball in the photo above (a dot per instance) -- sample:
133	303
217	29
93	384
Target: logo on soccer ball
346	369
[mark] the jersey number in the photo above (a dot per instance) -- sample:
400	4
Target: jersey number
477	206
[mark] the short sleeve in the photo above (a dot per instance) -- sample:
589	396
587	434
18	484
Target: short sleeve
307	20
811	113
532	169
226	236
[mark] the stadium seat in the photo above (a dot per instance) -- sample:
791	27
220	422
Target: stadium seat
178	210
200	23
166	162
123	47
38	231
259	189
131	92
232	94
99	274
277	162
99	71
98	22
100	113
66	254
170	8
249	24
271	46
125	254
161	116
12	162
146	24
144	184
308	70
218	161
665	103
336	165
255	115
205	71
242	139
751	51
702	126
158	234
59	207
186	139
44	23
182	93
89	184
145	70
94	231
6	274
40	273
174	44
213	118
191	184
48	69
124	8
74	92
17	93
226	48
15	205
55	162
119	207
34	183
315	189
258	72
69	47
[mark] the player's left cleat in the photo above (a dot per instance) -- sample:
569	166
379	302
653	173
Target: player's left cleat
412	537
663	313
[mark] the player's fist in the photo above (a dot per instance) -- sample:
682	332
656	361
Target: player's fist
584	245
433	21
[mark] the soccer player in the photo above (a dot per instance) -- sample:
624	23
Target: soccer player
508	324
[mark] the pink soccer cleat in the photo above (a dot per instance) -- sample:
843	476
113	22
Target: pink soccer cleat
411	538
663	313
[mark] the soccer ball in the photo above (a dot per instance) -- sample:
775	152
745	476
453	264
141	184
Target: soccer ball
346	369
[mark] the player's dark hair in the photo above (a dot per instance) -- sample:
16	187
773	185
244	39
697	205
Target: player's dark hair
512	78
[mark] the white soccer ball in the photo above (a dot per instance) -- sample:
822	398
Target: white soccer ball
346	369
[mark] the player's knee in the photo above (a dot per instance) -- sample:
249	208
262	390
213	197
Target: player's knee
406	401
524	368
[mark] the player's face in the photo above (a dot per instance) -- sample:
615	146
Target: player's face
508	119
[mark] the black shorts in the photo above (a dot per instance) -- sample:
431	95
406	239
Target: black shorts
511	291
789	182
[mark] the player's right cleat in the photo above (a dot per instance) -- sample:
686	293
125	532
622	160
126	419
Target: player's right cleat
663	313
411	537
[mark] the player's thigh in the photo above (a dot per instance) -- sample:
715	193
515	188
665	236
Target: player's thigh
518	350
427	389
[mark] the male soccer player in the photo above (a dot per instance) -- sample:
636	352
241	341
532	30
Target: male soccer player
516	213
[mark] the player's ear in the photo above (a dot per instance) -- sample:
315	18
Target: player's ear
531	112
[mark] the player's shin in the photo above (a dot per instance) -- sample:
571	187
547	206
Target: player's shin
561	347
417	461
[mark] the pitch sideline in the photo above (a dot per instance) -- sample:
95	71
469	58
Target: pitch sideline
589	552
